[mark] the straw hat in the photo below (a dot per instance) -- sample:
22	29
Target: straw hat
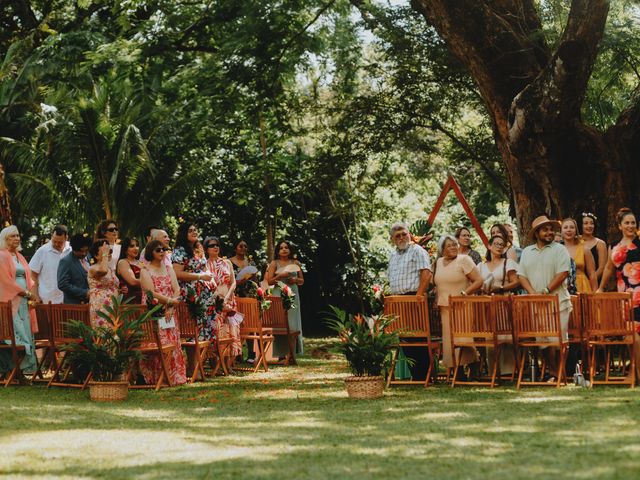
541	221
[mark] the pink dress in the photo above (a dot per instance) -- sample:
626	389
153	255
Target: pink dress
100	292
221	272
151	366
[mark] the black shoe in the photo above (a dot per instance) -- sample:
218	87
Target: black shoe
461	376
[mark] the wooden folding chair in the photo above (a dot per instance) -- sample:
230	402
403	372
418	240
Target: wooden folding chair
252	329
412	325
44	341
608	325
8	342
60	315
190	340
276	320
503	313
473	325
536	321
152	345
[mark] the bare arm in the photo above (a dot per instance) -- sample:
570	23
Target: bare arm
590	269
125	271
101	268
606	274
601	247
557	281
425	278
272	278
512	281
524	281
36	285
189	276
476	281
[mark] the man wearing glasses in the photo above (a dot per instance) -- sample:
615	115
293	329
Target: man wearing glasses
409	269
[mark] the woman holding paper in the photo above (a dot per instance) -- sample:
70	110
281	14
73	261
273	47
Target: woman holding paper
285	268
243	268
163	285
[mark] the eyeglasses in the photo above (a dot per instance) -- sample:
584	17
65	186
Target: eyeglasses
159	249
213	245
112	229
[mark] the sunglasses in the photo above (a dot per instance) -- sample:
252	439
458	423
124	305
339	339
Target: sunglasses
160	249
112	229
213	245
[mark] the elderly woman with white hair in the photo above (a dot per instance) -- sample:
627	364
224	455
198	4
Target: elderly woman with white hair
15	287
456	274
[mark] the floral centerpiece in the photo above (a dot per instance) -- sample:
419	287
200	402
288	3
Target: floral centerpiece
366	342
106	352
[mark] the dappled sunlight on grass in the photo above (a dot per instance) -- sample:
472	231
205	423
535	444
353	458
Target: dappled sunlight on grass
297	422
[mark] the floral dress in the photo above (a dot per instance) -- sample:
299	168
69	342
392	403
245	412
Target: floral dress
228	326
151	366
241	290
207	320
626	260
100	292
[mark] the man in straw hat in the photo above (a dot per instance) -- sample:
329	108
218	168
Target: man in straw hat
543	269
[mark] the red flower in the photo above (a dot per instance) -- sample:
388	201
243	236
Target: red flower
260	292
632	272
619	255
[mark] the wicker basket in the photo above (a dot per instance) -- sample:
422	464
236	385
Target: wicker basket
365	387
108	391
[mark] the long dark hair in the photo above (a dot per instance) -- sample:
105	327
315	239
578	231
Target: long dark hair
181	238
503	233
488	256
125	245
292	250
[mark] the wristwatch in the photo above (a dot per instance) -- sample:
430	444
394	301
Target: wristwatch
546	291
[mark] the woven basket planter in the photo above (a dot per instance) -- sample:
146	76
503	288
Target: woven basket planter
365	387
108	391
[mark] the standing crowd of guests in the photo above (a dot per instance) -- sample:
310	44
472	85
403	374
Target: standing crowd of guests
562	258
80	269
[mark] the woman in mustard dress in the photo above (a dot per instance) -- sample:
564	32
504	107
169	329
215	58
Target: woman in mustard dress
585	264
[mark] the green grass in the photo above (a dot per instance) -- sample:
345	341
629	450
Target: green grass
297	422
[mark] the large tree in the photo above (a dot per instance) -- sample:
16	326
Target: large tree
534	87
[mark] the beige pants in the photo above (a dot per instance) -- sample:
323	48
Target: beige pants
467	354
507	359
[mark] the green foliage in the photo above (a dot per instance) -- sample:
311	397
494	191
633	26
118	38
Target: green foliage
107	351
365	341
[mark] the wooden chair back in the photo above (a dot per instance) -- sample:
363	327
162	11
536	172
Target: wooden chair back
575	329
63	313
412	315
250	309
6	323
43	317
472	318
503	313
275	317
537	316
607	314
188	325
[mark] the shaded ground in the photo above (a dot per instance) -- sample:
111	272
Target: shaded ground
297	422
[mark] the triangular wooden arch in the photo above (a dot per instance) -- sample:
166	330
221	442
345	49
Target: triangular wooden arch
449	185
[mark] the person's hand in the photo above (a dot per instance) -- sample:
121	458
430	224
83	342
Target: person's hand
104	250
206	277
599	290
124	289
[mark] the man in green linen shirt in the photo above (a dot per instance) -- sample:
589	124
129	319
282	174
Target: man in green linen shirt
543	269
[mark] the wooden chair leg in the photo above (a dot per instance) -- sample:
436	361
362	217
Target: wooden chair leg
496	362
456	362
430	369
392	368
608	361
523	352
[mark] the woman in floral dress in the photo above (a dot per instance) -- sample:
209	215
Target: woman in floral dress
624	260
103	282
224	278
191	272
162	283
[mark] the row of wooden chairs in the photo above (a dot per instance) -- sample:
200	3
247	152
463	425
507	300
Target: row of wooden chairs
260	327
523	323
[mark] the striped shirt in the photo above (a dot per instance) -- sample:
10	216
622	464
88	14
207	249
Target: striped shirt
404	269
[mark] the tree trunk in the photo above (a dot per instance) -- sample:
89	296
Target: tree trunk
556	164
5	206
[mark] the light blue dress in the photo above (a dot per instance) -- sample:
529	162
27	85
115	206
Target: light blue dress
22	329
280	347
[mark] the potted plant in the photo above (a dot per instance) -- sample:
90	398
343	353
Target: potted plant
366	343
106	352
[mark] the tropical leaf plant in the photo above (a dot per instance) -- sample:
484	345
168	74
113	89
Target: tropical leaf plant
107	351
366	342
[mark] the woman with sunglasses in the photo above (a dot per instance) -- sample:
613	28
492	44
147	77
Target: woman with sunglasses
109	229
128	269
161	281
103	282
191	270
224	278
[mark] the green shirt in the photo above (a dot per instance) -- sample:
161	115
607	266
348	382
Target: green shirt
541	265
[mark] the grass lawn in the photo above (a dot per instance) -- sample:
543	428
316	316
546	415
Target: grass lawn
297	422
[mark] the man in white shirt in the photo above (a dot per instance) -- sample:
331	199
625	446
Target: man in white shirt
44	266
162	236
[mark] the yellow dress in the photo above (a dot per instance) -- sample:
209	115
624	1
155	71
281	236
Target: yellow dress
582	281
